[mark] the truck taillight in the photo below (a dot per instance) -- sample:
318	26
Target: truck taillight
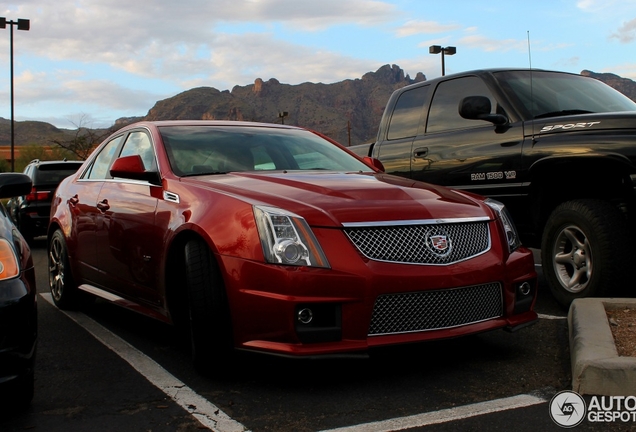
37	195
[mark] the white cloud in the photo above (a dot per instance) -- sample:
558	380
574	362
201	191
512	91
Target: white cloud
597	6
627	32
414	27
61	86
489	44
167	39
287	62
117	57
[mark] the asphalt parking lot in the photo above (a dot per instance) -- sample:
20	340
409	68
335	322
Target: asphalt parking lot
143	380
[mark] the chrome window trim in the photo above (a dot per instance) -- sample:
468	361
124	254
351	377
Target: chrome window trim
120	180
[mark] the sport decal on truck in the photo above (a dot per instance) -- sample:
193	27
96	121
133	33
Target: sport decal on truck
552	128
494	175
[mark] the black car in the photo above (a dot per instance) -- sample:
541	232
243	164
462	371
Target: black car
18	307
31	211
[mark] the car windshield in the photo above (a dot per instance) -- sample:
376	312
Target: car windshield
552	94
207	149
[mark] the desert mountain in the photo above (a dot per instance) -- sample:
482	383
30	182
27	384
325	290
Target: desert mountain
348	111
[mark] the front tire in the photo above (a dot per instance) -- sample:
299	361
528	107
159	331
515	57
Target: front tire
585	250
210	324
63	288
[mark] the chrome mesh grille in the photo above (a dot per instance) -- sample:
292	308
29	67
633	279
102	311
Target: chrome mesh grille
414	244
432	310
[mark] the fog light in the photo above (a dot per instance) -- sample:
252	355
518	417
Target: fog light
525	289
305	315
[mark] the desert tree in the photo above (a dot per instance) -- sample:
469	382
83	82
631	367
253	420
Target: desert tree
83	139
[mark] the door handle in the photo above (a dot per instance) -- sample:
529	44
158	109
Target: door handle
103	205
421	152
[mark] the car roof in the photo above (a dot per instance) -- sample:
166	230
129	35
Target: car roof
50	162
160	123
488	71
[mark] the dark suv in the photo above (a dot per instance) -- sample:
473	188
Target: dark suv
31	212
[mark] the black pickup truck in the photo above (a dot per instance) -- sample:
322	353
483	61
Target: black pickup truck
558	149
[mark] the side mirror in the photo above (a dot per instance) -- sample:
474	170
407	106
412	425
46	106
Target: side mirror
478	108
373	162
132	167
14	184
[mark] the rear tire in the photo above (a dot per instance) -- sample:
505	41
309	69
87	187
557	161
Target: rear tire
63	288
585	250
210	324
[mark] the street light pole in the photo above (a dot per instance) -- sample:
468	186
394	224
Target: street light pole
436	49
22	24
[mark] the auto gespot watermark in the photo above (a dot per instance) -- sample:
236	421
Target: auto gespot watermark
568	409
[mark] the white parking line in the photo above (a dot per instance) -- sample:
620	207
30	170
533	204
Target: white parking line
212	417
205	412
552	317
446	415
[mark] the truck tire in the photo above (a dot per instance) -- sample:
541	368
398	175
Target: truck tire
210	324
585	250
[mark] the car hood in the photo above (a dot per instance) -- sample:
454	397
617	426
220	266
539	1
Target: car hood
331	199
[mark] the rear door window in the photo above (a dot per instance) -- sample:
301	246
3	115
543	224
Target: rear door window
405	119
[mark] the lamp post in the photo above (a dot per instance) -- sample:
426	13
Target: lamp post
22	24
436	49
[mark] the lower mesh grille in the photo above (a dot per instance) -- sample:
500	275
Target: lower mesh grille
432	310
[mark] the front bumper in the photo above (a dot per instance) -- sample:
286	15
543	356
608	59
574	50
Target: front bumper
18	329
269	303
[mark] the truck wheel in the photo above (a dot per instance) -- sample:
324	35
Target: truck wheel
585	250
210	328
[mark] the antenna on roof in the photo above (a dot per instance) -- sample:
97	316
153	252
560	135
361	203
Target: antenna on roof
529	51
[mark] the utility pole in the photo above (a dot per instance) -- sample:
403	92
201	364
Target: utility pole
22	24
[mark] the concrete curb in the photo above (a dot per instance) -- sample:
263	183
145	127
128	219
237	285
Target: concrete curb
597	368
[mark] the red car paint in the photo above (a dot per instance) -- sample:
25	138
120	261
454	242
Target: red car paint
124	238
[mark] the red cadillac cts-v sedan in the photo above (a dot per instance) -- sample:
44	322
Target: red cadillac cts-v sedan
276	239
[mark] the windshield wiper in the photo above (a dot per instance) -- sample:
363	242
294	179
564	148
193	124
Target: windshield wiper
204	173
562	113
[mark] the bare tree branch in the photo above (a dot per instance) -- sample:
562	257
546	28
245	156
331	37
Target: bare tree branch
85	139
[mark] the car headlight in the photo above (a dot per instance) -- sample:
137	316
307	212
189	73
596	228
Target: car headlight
512	237
287	239
9	267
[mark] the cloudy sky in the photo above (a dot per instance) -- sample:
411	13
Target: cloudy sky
98	60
